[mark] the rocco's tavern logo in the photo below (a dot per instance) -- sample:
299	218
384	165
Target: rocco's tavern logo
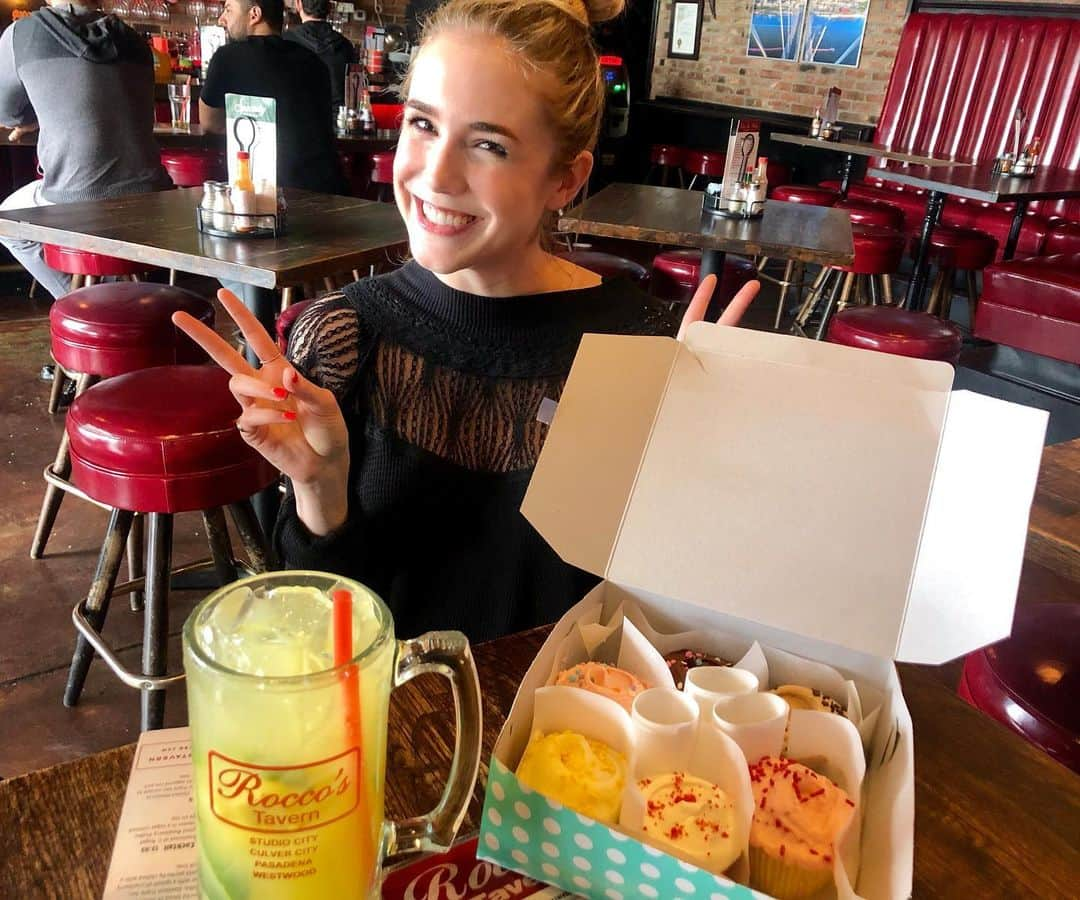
279	799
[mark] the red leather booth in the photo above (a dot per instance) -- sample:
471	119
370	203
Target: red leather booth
955	84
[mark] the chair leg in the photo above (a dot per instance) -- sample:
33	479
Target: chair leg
172	277
788	269
830	306
845	292
33	289
61	466
259	552
886	288
97	601
135	560
286	298
89	280
812	297
329	284
156	615
973	296
217	535
945	300
934	303
57	392
693	181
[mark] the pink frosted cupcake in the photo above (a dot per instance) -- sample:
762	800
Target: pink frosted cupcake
607	681
798	817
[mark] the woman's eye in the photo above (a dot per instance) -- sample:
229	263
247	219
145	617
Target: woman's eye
492	147
420	123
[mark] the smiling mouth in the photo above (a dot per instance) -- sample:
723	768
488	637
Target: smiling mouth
443	218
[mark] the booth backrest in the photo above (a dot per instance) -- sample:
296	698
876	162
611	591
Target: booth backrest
958	79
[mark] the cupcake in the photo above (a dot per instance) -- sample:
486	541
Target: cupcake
585	775
607	681
681	661
798	815
690	818
799	697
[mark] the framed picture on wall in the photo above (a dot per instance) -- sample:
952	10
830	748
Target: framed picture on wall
685	39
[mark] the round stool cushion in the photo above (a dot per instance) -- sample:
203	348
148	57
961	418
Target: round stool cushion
667	155
382	167
110	329
676	273
897	331
284	324
872	212
805	193
82	262
878	250
607	265
954	247
191	166
163	440
705	162
1029	681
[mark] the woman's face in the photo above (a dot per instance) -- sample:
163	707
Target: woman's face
473	171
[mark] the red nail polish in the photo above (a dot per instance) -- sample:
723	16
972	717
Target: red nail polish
288	415
281	393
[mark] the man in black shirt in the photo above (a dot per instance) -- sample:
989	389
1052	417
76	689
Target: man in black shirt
334	49
257	61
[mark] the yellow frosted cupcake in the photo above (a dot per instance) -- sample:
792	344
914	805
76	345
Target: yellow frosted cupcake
798	815
691	818
799	697
586	775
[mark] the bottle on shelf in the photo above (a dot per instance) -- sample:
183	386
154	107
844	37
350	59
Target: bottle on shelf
815	124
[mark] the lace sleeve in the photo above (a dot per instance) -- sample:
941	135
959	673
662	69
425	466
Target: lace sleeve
325	343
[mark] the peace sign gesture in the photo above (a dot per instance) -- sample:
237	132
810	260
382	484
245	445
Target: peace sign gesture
732	313
296	425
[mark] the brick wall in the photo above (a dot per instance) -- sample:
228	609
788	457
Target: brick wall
725	74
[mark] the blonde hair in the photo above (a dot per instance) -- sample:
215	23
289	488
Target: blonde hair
550	37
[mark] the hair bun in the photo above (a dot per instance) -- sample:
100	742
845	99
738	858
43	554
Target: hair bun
602	10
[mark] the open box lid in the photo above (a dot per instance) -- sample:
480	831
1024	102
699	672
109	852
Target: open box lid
841	494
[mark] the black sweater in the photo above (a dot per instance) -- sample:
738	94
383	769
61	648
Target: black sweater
440	391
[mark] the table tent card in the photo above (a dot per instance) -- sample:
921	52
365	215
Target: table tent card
251	126
808	511
742	153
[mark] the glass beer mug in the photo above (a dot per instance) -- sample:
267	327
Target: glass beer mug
288	694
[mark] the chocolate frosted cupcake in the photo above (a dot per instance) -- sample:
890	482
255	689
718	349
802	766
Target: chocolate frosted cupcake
680	662
799	697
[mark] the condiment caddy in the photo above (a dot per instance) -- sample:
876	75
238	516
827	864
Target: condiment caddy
229	211
744	200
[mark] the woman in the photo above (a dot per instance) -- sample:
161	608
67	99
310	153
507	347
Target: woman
406	416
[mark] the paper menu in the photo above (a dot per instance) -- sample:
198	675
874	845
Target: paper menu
742	152
251	125
154	854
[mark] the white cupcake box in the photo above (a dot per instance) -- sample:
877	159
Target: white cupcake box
841	505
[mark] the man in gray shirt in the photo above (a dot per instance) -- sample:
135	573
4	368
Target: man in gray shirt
85	80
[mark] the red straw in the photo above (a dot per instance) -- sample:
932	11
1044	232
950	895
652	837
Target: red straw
350	684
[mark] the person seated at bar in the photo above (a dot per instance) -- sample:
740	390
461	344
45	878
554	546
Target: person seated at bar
258	61
333	48
406	415
85	81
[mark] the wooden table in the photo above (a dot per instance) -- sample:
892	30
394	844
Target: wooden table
851	149
194	136
1054	527
995	818
975	182
661	215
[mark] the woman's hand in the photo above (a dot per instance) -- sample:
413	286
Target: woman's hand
731	315
296	425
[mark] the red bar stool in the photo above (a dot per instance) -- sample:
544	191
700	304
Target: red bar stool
954	248
191	166
707	164
1028	681
107	330
805	193
676	274
382	174
606	265
878	252
85	267
897	331
872	212
666	158
285	321
133	453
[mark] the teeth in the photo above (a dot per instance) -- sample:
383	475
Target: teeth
436	215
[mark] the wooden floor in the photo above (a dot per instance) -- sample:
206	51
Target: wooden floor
36	597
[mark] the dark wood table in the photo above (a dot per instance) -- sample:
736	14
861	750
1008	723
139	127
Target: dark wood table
662	215
995	818
975	182
194	136
851	149
1054	528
